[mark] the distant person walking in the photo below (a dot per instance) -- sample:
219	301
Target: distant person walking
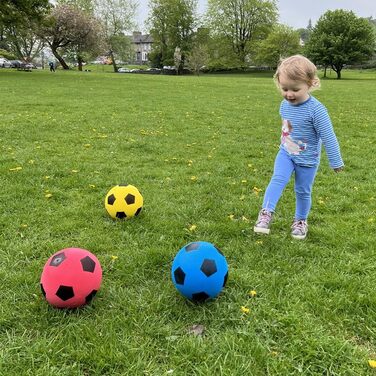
52	66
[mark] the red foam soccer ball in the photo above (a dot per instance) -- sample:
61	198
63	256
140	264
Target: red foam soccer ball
71	278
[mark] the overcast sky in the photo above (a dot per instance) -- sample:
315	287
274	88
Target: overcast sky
295	13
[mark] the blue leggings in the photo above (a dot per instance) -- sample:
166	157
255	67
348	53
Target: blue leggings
304	178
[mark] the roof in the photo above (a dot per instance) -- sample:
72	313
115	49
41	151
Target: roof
141	38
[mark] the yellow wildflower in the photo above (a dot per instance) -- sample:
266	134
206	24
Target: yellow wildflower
48	195
18	168
192	228
252	293
113	258
372	363
193	178
245	309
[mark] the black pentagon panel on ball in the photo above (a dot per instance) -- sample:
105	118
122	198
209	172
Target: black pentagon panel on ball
111	199
138	211
88	264
130	199
57	259
225	279
200	297
192	247
121	215
65	292
179	276
208	267
43	291
90	297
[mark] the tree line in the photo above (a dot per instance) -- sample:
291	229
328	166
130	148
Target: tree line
233	34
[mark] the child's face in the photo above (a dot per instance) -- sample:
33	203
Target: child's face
294	92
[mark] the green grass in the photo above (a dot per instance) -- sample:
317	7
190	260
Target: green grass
198	148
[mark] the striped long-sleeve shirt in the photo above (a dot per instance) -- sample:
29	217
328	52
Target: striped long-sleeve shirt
304	128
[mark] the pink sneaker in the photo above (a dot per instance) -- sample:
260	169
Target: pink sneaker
299	229
263	222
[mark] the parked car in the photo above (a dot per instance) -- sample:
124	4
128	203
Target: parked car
16	63
5	63
124	70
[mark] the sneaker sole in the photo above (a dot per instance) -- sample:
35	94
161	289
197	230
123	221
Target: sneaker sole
299	237
260	230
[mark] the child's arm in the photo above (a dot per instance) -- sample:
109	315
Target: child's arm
324	127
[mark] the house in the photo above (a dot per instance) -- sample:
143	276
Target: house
142	44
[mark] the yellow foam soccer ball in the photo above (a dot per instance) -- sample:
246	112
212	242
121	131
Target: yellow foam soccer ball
123	201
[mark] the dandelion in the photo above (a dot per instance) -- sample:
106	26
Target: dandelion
259	242
113	258
18	168
245	310
231	216
321	202
192	228
372	363
252	293
250	165
47	177
193	178
48	195
257	190
245	219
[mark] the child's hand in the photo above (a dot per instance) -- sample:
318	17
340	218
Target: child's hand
338	169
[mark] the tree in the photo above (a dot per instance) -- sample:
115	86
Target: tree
239	23
18	22
23	40
172	24
305	33
197	58
340	38
282	42
69	28
21	11
117	17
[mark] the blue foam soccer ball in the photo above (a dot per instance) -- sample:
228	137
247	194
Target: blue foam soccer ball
199	271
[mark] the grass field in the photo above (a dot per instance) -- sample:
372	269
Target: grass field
201	150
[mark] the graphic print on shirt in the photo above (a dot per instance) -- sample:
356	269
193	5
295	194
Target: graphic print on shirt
287	142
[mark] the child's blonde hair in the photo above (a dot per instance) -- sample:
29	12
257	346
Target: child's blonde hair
298	68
